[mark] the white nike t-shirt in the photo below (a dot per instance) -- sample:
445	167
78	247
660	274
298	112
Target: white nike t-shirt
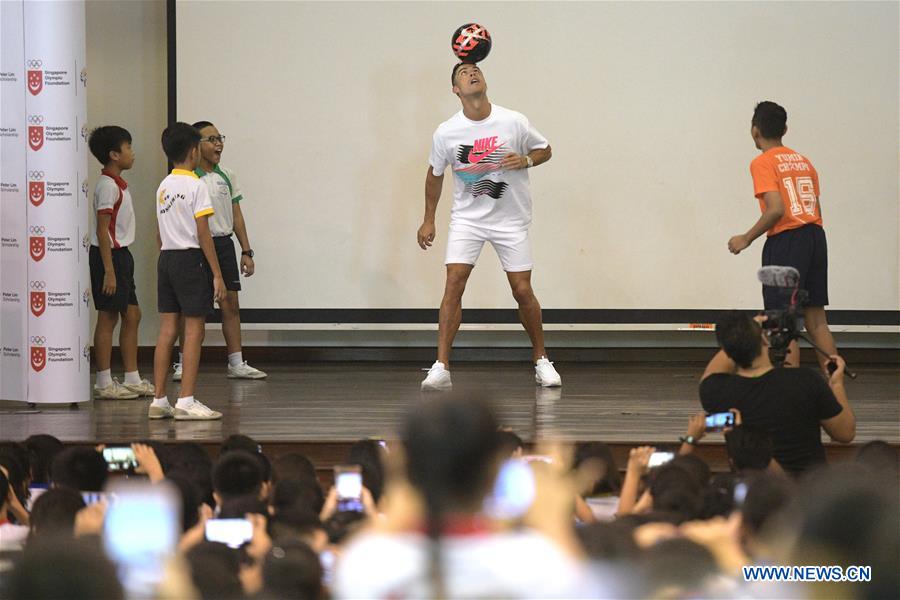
484	195
180	200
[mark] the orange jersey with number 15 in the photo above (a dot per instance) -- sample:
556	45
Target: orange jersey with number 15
790	174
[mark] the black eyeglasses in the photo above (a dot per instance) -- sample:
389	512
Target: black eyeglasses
214	139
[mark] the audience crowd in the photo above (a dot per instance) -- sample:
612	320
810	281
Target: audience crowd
455	507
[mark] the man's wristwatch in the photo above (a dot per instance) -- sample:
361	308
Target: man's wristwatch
247	253
688	440
528	162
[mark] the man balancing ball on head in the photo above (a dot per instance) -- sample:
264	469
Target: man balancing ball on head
490	149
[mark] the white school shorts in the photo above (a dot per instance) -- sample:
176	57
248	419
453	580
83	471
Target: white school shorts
464	244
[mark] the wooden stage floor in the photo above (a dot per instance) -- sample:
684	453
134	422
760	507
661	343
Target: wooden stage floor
341	402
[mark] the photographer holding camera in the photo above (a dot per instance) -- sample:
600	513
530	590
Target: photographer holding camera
791	404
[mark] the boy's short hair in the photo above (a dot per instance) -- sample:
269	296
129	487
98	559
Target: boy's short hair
749	447
106	139
80	468
770	119
201	124
739	336
178	139
237	473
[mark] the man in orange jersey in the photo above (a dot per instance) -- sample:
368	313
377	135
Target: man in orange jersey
787	187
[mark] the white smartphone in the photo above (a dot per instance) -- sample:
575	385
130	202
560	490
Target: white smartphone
140	532
660	458
348	483
234	533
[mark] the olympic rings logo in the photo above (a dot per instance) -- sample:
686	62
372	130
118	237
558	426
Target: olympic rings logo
38	340
37	285
35	64
37	229
35	119
35	174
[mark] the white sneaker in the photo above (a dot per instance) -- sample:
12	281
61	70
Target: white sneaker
197	411
245	371
438	378
115	391
144	388
161	412
177	375
545	375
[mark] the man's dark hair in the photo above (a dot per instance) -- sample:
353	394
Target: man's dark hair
237	473
509	442
106	139
766	495
293	523
200	125
770	119
178	139
368	455
739	336
294	494
76	570
749	447
53	514
294	465
42	448
456	68
191	461
190	498
215	571
238	441
292	570
80	468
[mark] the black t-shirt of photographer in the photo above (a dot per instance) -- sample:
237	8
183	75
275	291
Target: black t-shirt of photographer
788	403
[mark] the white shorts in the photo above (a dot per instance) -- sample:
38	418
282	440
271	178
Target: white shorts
464	244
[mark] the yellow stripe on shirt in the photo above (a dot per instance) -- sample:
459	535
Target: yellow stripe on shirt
203	213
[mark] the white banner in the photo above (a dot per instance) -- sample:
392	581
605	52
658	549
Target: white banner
46	269
13	214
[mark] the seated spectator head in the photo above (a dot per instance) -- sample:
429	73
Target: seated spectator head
16	459
598	457
511	445
369	455
189	460
676	490
79	468
43	449
190	499
238	441
452	453
677	568
609	542
695	466
236	473
718	496
237	507
292	570
296	494
215	571
4	495
749	448
300	525
293	465
880	457
75	570
53	514
765	496
341	526
740	337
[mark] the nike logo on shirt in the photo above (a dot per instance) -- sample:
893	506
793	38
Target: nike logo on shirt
483	147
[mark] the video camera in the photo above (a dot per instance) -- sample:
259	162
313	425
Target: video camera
784	324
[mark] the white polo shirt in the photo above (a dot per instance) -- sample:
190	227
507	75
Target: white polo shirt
180	200
223	191
111	196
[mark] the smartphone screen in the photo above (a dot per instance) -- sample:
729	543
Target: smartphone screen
719	421
660	458
234	533
140	532
120	459
348	483
514	490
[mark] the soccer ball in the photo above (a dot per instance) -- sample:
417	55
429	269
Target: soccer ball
471	43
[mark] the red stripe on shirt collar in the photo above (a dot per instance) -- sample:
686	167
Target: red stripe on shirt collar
463	525
119	181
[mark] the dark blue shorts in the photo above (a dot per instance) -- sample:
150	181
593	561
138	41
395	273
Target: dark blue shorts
804	249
